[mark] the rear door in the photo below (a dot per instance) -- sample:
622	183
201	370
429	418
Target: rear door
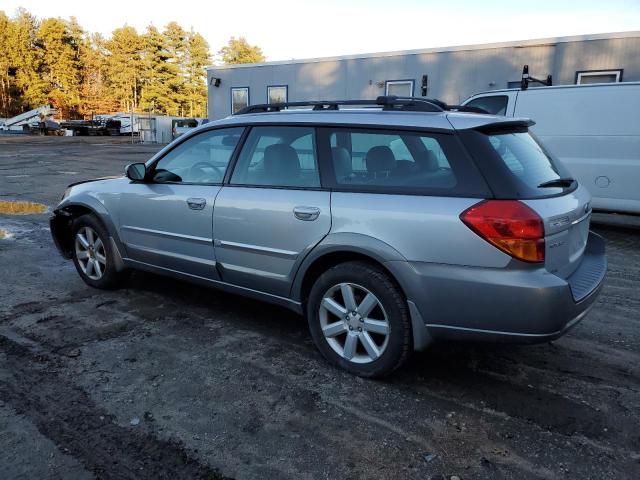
273	211
166	221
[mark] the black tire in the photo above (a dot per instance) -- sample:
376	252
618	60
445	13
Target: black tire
390	297
110	278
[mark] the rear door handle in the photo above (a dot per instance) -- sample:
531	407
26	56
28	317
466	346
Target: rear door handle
196	203
308	214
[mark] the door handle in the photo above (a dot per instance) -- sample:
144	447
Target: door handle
308	214
196	203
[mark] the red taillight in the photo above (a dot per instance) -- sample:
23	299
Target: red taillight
509	225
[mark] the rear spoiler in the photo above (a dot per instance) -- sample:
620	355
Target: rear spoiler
488	123
507	125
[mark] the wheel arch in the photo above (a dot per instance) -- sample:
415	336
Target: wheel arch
64	215
340	248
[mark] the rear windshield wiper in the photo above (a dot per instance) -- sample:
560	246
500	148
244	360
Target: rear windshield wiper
558	182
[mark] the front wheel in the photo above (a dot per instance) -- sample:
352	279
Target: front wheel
93	256
359	320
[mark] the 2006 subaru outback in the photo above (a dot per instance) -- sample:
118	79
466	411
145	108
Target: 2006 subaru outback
389	225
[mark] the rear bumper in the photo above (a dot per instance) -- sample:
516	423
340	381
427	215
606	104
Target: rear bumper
527	305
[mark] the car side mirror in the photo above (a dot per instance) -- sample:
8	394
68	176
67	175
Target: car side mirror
135	171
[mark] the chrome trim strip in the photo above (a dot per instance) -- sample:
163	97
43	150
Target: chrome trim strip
167	234
165	253
256	249
581	218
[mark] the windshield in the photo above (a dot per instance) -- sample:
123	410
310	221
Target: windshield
517	164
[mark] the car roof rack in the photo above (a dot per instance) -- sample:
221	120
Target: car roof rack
387	102
527	79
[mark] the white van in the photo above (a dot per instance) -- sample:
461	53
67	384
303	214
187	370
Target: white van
593	129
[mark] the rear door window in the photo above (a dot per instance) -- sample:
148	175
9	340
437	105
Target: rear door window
400	162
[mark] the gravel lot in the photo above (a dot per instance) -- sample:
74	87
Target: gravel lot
168	380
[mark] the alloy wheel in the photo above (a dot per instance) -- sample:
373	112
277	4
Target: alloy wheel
90	253
354	323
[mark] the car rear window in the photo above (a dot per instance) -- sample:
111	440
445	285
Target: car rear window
516	163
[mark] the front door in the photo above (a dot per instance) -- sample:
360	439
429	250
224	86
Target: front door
273	211
166	221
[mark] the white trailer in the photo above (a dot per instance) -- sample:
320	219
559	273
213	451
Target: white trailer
593	129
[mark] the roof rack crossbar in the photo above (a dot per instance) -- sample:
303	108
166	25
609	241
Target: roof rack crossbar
387	102
393	102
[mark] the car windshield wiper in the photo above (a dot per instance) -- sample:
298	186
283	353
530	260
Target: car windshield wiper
558	182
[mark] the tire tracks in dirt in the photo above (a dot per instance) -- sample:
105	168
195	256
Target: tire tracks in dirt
66	415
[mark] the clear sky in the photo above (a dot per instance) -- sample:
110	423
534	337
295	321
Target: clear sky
288	29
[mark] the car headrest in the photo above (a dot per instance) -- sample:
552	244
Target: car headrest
427	162
341	161
282	161
379	158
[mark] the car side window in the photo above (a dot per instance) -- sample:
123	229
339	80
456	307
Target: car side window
202	159
278	156
390	160
494	104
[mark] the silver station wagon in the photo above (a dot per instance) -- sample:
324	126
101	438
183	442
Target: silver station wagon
389	224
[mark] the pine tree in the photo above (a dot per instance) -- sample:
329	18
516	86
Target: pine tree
196	60
55	61
162	82
238	50
125	66
176	46
95	85
59	47
27	58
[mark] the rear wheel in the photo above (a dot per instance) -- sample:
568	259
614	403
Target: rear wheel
359	320
93	256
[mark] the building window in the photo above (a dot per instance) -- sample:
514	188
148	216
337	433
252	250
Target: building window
277	94
598	76
239	98
399	88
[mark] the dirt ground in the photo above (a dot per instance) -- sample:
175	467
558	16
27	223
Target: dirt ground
164	379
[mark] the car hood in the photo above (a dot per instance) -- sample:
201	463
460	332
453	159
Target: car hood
112	177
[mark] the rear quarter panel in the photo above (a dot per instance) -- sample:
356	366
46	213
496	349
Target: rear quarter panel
420	228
